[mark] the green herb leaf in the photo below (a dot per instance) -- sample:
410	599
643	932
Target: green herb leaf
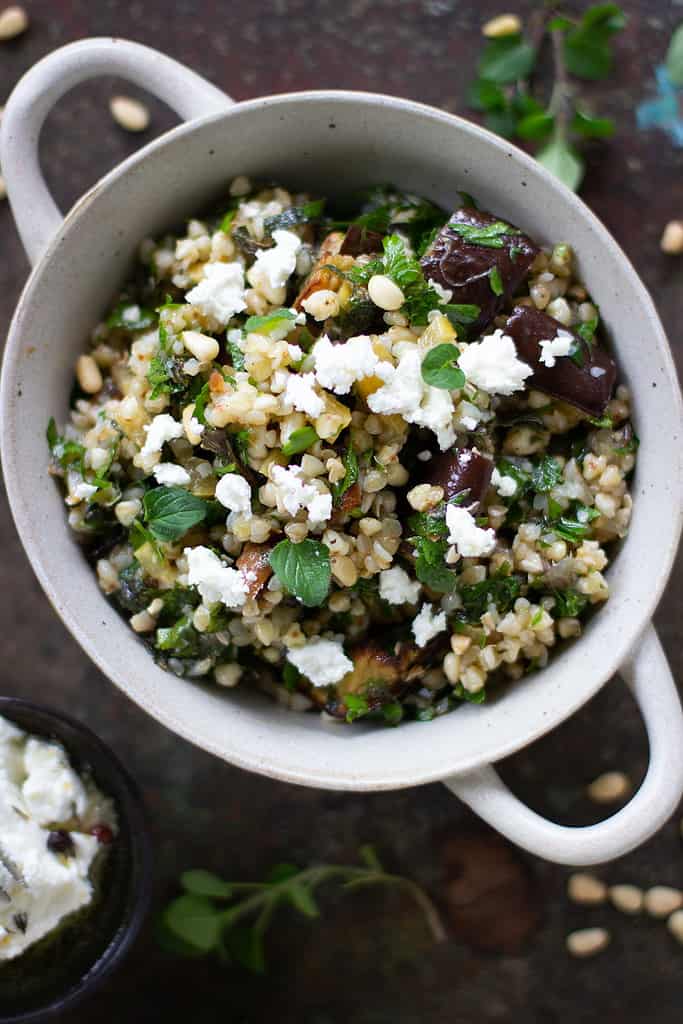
573	525
430	565
587	50
182	639
592	127
226	223
506	59
489	235
356	705
138	317
299	440
171	511
568	604
392	713
535	126
440	368
501	590
461	313
195	921
486	95
290	677
303	569
294	216
271	322
205	883
241	440
245	945
236	353
546	475
461	693
350	476
301	898
563	161
496	281
674	58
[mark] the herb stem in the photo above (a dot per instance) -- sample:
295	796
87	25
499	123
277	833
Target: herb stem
561	94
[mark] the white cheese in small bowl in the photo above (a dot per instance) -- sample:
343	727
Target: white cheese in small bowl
53	824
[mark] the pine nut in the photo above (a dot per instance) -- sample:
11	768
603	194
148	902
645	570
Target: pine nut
143	622
202	347
662	900
227	675
672	238
584	888
587	941
129	113
189	424
88	375
626	898
502	25
609	787
13	21
322	304
127	511
675	925
385	293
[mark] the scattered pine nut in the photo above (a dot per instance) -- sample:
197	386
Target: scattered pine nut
88	375
502	25
675	925
587	941
13	21
609	787
129	113
626	898
584	888
385	293
672	238
662	900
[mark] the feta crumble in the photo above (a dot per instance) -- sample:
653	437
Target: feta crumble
163	428
294	494
170	475
470	540
396	586
426	625
504	485
234	492
214	580
560	345
300	393
338	367
323	662
405	393
277	264
492	365
220	293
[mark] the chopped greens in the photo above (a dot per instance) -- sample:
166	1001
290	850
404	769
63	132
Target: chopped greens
500	590
131	317
546	474
299	440
440	369
271	322
350	476
303	569
496	281
294	215
490	235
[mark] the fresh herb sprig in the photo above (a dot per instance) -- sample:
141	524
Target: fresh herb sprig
231	919
556	123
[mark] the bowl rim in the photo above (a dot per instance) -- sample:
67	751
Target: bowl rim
280	766
131	812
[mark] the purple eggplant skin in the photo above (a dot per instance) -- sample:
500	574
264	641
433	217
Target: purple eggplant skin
461	469
359	241
589	387
465	268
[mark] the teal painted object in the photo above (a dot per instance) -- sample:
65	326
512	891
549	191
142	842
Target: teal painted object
665	110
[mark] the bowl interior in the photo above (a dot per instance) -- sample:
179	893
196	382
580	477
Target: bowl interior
60	968
330	143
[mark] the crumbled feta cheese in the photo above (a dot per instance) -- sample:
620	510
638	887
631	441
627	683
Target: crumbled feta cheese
560	345
426	625
492	365
170	475
40	791
84	491
323	662
505	485
295	353
276	264
404	393
233	491
396	586
337	367
294	494
300	392
445	294
163	428
214	580
220	293
470	540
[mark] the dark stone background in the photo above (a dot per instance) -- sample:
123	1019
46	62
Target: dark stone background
369	960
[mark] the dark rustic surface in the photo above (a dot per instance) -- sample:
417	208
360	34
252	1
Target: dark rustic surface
369	961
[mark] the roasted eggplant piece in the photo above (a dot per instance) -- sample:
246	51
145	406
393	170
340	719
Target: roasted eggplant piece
459	470
320	276
476	256
254	564
587	383
359	241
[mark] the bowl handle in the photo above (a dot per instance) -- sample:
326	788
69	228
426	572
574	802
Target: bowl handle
648	674
36	214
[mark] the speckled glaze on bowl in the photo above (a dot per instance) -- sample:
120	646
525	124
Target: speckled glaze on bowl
332	142
57	973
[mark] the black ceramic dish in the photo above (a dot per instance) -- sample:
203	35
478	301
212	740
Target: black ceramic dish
60	970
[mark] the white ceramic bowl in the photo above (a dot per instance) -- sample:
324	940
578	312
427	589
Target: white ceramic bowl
330	142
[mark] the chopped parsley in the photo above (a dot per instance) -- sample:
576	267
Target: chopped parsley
489	235
496	281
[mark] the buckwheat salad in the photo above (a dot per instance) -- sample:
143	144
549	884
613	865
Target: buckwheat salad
367	456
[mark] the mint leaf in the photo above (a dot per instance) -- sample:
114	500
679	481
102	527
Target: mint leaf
440	369
674	58
490	235
271	322
303	569
205	883
350	477
592	127
356	706
195	921
430	565
294	215
299	440
546	475
506	59
496	281
501	590
171	511
181	639
563	161
535	126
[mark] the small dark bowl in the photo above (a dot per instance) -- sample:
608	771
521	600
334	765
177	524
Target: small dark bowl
57	972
